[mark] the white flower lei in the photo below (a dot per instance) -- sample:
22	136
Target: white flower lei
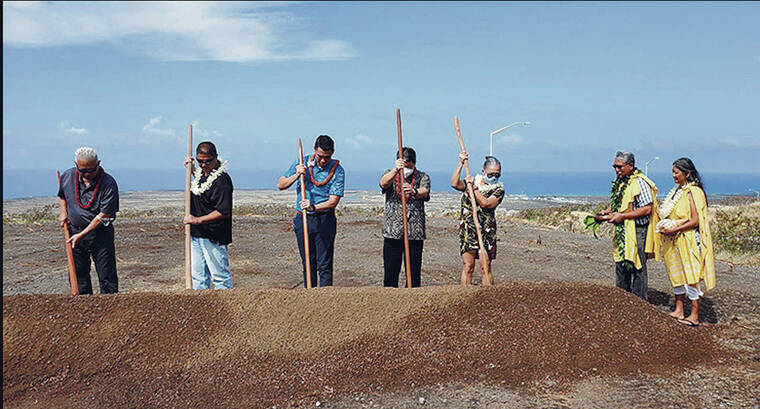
484	187
198	188
670	200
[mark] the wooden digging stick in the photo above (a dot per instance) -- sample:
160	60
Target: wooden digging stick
188	175
307	258
403	206
484	260
69	252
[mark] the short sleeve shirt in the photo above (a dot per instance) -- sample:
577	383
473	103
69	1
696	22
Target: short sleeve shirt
218	197
393	224
643	199
105	200
318	194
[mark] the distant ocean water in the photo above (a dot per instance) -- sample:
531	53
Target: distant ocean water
35	183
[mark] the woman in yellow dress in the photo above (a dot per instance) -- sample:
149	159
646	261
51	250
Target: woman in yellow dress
684	231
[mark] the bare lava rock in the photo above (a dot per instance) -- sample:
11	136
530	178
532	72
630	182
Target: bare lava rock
244	348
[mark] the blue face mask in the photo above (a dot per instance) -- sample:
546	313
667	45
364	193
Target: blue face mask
490	180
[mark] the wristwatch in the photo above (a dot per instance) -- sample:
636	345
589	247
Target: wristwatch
311	208
414	192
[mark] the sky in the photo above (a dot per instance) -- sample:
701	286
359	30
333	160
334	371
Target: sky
658	79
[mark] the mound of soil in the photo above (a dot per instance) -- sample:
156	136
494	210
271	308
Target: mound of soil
244	348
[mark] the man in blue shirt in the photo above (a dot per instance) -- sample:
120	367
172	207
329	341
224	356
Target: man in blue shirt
325	180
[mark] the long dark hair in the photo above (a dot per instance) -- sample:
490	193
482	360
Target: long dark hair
686	166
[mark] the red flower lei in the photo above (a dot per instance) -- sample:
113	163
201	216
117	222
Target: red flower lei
94	192
329	175
398	181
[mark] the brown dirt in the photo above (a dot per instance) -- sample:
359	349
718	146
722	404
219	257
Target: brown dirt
554	318
277	346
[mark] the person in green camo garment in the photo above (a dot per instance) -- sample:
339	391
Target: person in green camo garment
489	193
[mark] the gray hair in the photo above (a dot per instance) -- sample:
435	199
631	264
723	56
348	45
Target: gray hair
86	154
491	160
626	157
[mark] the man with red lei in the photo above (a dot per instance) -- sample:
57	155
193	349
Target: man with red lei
405	179
89	199
325	180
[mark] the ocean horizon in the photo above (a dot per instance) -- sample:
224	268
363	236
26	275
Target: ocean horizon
19	184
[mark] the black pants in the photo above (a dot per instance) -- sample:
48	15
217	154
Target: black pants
97	246
322	229
631	279
393	255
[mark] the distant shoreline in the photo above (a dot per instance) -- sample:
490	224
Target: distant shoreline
153	199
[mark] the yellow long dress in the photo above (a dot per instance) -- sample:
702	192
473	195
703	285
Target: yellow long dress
686	261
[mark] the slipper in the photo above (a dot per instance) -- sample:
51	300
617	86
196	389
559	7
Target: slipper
677	318
687	322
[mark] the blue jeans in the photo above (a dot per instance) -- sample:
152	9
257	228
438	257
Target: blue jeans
210	262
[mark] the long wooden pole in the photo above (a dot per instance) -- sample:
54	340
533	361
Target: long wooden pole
485	265
403	206
307	258
188	175
69	251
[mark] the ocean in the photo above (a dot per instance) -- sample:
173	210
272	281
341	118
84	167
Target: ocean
35	183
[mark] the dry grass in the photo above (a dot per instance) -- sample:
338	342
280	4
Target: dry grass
735	228
736	233
37	215
735	223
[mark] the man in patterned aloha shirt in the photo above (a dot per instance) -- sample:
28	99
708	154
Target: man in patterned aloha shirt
405	179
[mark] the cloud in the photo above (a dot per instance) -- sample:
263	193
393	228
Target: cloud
738	142
511	139
171	31
65	126
152	132
361	141
202	132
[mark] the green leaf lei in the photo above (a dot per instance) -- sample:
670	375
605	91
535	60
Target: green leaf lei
616	201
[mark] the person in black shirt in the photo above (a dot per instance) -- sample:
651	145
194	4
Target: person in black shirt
210	219
88	199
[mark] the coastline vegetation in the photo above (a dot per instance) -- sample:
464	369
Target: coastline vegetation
735	224
735	228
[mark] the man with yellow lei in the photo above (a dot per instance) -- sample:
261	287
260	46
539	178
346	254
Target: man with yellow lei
633	211
686	240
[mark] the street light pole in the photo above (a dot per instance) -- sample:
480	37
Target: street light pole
646	166
499	130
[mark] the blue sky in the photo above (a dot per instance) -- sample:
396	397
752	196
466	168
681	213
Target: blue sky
666	79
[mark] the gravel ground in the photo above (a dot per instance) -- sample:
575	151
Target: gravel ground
553	319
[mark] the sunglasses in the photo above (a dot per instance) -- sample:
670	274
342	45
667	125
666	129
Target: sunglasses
493	175
618	166
87	170
205	161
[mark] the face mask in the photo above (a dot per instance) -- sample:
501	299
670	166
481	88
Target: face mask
490	180
407	172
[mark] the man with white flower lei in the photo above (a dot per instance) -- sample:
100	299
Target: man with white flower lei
633	211
210	219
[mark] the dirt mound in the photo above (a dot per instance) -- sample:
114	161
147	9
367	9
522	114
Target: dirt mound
279	347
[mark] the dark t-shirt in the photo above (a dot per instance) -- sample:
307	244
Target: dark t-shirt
106	200
217	197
